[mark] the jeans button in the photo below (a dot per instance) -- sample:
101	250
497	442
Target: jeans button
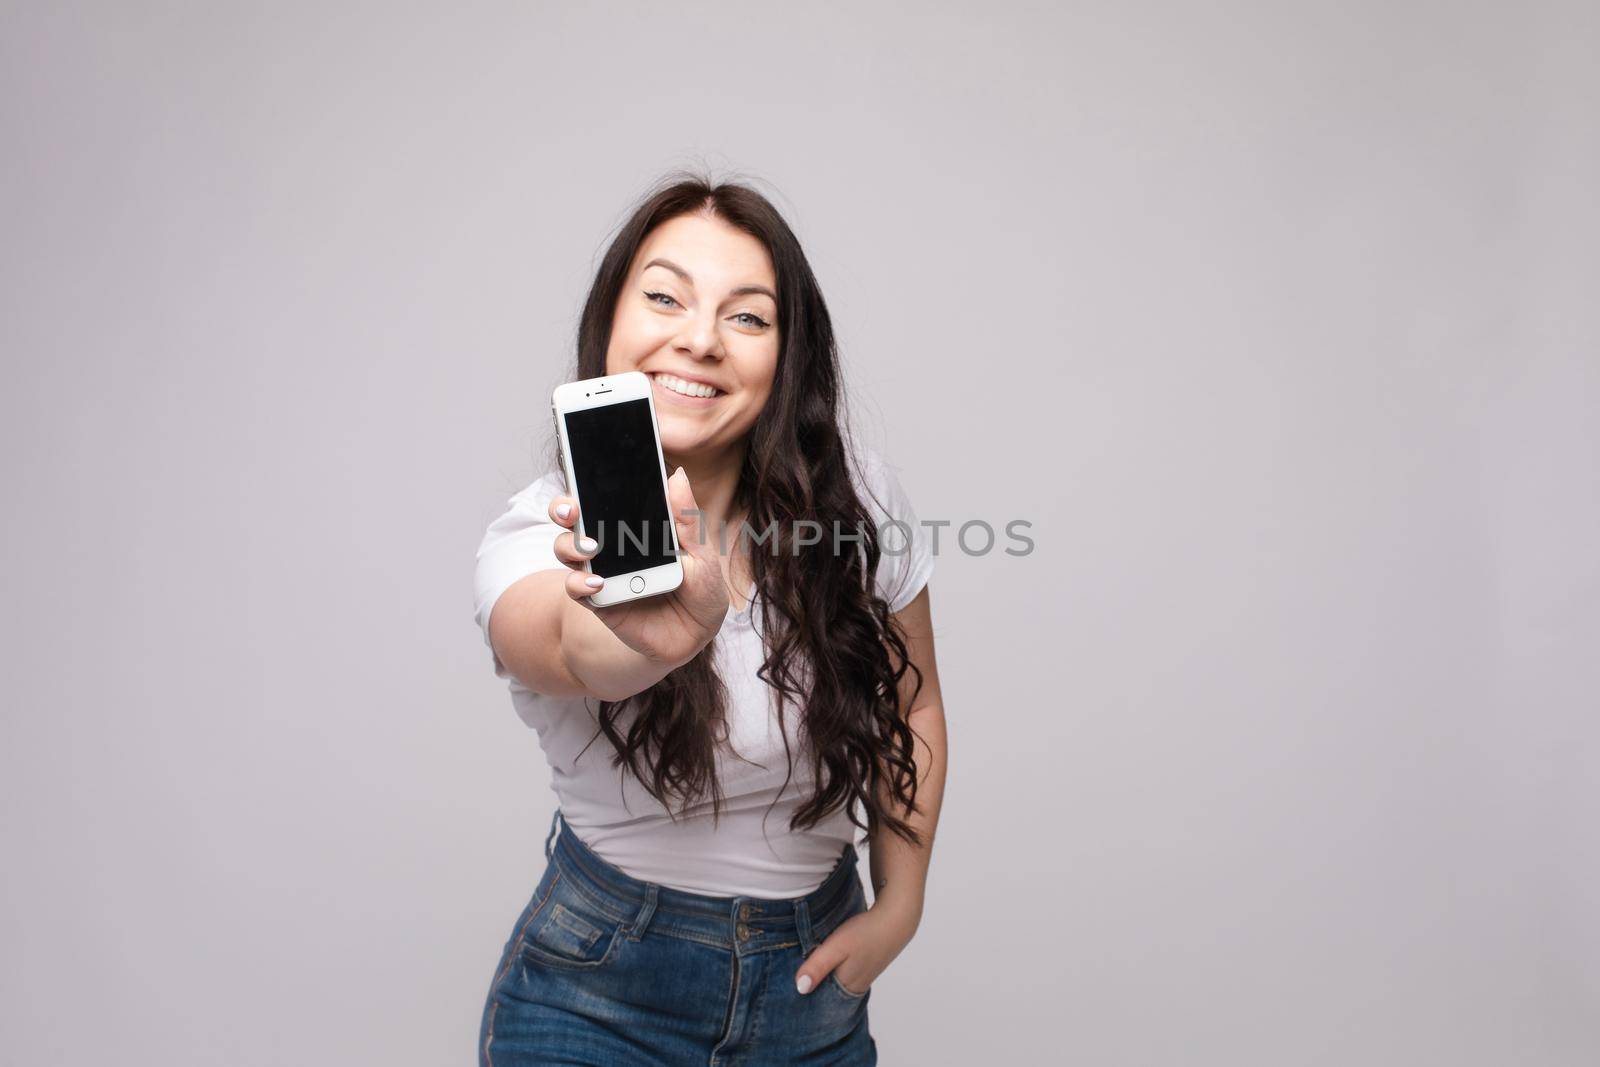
744	911
743	931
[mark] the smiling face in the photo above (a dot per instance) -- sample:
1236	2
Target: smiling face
698	313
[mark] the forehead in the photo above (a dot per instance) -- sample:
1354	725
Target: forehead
714	253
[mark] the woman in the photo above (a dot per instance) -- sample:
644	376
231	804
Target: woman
701	902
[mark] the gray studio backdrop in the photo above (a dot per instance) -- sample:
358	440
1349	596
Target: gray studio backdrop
1276	321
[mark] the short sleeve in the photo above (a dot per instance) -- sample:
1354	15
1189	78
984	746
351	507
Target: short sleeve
906	549
518	543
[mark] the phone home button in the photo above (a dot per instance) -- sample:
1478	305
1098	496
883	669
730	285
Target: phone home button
636	583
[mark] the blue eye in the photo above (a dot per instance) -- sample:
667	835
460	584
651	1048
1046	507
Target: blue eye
664	300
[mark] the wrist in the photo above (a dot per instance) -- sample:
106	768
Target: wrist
606	666
687	658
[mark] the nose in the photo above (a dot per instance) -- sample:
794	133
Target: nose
699	337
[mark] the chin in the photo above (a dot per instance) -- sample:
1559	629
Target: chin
678	444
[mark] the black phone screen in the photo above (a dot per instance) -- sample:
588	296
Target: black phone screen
618	468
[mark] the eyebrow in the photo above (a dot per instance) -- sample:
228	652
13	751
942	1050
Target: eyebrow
743	290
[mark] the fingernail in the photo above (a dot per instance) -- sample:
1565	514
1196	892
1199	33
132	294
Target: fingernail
803	983
563	510
588	544
594	581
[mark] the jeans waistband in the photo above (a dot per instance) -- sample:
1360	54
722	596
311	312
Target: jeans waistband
743	923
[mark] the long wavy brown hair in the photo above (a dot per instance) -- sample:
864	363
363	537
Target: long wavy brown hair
832	648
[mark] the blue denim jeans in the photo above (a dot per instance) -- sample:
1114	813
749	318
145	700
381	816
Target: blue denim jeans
603	969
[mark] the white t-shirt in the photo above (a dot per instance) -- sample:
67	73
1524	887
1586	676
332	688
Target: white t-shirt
750	852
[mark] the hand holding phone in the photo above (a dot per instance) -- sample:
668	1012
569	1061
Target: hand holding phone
643	565
670	628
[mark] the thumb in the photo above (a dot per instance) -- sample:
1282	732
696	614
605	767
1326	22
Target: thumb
686	514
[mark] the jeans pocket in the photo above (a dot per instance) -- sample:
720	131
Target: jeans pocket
570	932
833	980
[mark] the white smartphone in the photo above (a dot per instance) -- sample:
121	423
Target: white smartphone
611	455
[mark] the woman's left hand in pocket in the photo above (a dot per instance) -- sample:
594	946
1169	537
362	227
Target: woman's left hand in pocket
859	950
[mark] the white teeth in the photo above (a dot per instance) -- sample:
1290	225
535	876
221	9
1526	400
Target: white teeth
678	385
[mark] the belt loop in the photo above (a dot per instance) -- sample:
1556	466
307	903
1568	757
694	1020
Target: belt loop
802	924
548	841
642	920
